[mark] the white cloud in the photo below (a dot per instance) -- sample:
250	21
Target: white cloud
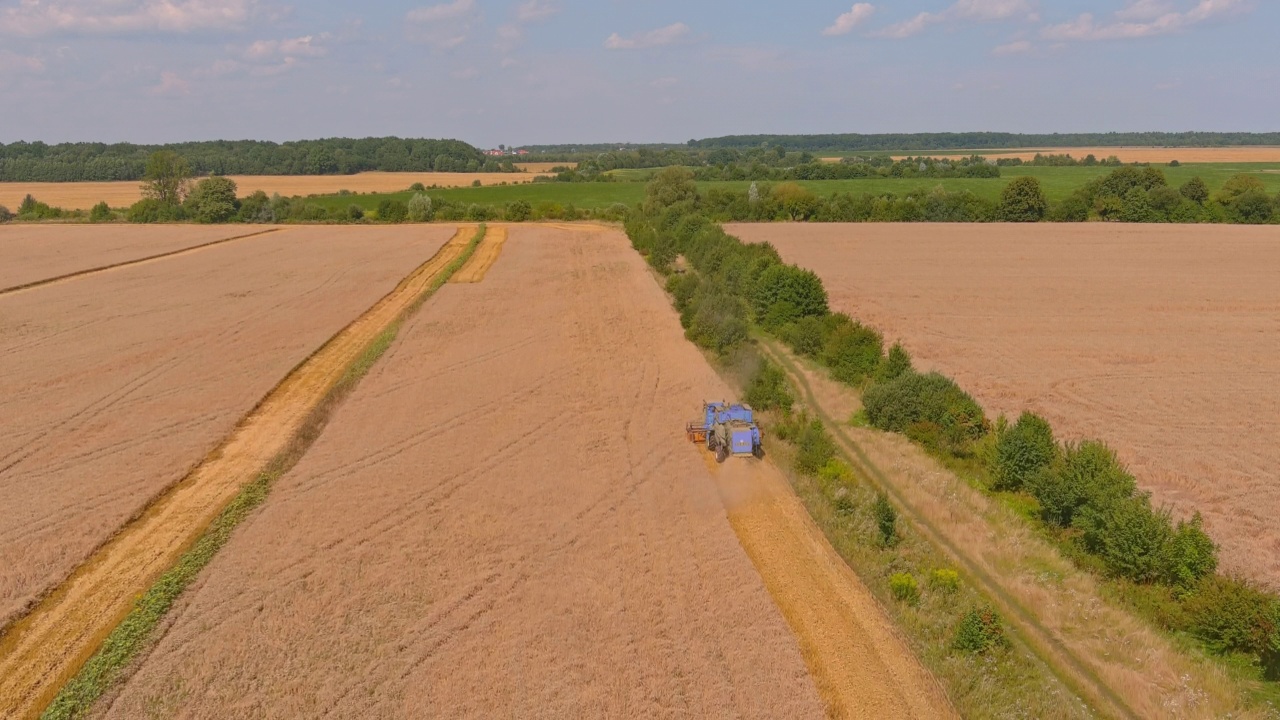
1013	48
653	38
444	11
535	10
845	24
964	10
170	84
305	46
1143	18
45	17
11	62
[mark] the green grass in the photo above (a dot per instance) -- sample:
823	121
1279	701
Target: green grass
1058	182
76	698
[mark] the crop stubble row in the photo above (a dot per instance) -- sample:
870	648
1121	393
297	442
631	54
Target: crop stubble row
124	380
1164	341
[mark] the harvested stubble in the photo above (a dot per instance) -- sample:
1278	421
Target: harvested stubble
1161	340
119	382
31	253
43	648
484	257
504	520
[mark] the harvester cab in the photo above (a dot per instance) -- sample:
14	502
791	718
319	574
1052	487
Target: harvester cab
727	430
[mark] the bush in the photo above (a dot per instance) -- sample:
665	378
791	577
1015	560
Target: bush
355	212
896	364
32	209
886	520
419	208
212	200
1021	451
5	215
904	588
519	211
1234	615
1129	536
479	213
256	208
945	581
719	320
1022	200
806	337
979	631
852	351
790	284
1088	474
683	287
100	213
1195	190
768	389
392	211
417	188
814	448
150	210
932	399
1190	556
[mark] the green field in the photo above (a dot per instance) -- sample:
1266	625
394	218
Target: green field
1059	182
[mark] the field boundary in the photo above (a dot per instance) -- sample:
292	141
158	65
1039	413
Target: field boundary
1039	640
135	261
82	634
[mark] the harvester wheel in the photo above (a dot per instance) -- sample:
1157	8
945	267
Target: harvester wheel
758	452
722	453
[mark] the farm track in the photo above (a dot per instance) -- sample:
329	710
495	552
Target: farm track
43	649
484	257
130	263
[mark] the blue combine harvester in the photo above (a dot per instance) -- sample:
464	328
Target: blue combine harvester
727	430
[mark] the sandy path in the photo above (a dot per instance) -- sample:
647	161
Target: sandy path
1161	340
504	520
84	195
30	253
47	645
483	258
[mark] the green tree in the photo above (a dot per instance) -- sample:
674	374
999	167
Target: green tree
519	211
166	177
419	208
788	283
896	364
886	518
212	200
1022	200
1191	555
1195	190
1129	536
795	200
1088	474
5	214
669	187
1021	451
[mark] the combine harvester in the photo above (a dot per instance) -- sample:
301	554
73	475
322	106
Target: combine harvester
727	430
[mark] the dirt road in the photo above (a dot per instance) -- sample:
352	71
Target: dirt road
46	646
505	520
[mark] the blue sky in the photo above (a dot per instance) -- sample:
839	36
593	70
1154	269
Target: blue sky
551	71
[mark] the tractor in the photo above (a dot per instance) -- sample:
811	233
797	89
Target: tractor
727	430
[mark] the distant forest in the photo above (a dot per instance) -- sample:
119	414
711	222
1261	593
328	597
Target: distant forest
983	140
72	162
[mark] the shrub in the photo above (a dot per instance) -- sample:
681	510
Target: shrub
417	188
913	399
853	352
814	448
478	213
683	287
806	337
719	320
790	284
886	519
419	208
779	315
1195	190
519	211
100	213
1190	556
32	209
1234	615
1022	200
151	210
256	208
896	364
1024	449
1129	536
979	631
212	200
355	212
768	388
392	211
5	215
904	588
1088	474
476	183
945	581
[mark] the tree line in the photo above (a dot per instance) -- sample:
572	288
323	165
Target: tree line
916	142
76	162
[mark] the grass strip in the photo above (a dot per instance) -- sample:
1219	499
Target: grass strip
110	664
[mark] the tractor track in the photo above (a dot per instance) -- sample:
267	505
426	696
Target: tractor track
130	263
47	646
